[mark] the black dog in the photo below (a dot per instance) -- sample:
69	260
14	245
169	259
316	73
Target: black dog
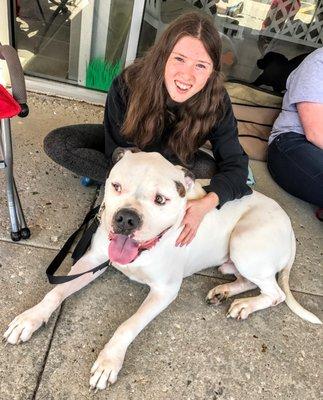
276	70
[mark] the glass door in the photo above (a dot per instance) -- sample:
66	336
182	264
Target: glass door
249	30
82	42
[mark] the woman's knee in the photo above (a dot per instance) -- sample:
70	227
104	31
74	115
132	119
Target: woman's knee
205	166
55	142
63	141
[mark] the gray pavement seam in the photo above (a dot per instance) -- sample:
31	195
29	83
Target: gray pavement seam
39	378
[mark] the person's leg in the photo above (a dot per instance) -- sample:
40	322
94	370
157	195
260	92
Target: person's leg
79	148
296	165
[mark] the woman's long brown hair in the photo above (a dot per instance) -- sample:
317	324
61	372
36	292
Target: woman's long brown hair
146	111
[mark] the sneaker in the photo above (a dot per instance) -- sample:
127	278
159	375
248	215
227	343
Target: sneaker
86	181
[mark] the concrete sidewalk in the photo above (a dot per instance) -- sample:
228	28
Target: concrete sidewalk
191	351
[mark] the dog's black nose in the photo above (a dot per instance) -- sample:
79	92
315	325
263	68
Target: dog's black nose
126	221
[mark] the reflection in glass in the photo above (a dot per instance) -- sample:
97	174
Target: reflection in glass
75	41
250	30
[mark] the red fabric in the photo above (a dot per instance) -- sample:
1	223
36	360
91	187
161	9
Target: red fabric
8	105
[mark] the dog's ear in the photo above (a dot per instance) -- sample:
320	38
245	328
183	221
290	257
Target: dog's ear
180	188
189	177
119	152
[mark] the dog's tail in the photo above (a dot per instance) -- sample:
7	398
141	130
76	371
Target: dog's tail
283	281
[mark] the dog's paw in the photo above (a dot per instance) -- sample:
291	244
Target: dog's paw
217	295
23	326
240	309
104	371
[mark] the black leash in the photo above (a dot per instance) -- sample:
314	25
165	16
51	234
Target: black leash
78	252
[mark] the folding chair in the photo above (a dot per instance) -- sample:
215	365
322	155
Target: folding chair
10	106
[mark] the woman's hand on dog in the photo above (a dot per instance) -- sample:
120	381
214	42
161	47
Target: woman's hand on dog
195	211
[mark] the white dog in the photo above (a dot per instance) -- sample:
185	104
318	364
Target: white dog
145	199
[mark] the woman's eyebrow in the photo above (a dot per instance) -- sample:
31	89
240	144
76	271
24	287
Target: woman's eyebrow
182	55
179	54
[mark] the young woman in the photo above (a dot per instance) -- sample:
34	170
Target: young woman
171	101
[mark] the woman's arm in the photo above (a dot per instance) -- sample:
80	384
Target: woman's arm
230	182
114	116
195	212
311	116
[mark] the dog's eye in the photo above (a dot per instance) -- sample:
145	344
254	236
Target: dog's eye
116	186
160	200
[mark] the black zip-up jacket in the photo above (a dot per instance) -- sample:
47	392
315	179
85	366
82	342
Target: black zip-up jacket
228	183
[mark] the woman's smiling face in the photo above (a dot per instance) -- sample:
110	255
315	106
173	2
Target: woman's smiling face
187	69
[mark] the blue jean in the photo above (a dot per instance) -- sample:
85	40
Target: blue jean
297	166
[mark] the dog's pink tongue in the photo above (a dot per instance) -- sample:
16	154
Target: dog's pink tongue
123	249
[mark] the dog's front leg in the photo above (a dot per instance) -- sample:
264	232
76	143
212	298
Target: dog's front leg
109	362
25	324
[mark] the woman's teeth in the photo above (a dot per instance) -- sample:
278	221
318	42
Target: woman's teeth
182	86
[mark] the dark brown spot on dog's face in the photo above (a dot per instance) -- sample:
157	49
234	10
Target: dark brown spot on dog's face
180	188
119	152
